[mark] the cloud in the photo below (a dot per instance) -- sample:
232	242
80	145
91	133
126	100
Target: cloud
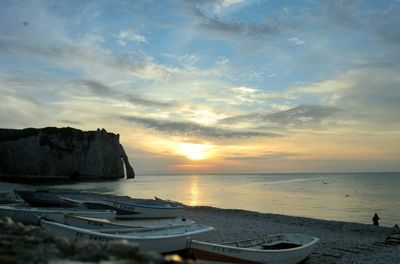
296	41
382	21
266	155
102	90
368	96
189	129
127	35
372	95
236	28
300	116
185	60
19	110
209	17
69	54
215	5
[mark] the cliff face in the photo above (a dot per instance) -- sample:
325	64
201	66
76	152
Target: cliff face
62	153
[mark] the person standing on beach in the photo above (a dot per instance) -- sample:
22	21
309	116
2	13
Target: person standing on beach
375	220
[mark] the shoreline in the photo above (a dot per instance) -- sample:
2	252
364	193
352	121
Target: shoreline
314	196
340	242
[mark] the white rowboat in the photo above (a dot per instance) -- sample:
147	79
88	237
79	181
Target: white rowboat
31	215
160	240
130	209
96	224
276	249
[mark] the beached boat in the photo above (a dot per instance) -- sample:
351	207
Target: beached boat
97	224
160	240
31	215
276	249
44	197
8	196
130	208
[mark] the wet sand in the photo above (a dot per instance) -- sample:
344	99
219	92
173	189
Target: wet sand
340	242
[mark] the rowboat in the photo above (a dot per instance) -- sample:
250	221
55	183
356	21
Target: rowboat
8	196
106	226
126	208
44	197
275	249
161	240
97	224
130	208
31	215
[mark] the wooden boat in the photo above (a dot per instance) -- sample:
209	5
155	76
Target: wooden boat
31	215
162	240
276	249
130	208
97	224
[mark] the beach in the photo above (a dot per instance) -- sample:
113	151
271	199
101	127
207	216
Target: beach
340	242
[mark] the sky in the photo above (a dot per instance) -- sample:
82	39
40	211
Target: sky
212	86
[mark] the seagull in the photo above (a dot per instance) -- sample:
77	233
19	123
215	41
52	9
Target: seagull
347	195
25	23
324	182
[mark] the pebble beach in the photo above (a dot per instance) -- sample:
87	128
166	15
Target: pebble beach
340	242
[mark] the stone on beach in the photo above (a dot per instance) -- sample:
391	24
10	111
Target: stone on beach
340	242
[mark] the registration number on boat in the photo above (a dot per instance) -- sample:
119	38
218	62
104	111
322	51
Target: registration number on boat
124	206
228	250
92	237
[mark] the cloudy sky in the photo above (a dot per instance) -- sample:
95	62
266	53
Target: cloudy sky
213	86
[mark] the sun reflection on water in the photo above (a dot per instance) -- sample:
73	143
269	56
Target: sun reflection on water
194	191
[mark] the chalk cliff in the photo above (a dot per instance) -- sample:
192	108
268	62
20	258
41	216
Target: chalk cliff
62	153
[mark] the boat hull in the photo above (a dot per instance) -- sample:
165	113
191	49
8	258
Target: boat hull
43	198
231	254
169	241
31	215
129	210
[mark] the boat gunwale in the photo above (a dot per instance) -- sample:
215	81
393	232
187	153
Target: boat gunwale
127	237
105	202
145	205
60	210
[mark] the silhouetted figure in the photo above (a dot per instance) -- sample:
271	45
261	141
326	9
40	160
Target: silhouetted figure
375	220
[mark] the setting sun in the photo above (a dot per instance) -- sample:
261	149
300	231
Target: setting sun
194	151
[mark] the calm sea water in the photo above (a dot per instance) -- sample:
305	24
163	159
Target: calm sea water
351	197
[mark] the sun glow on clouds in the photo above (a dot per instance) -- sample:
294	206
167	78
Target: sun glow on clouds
194	151
204	116
225	103
178	147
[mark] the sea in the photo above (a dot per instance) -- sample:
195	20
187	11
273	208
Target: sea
350	197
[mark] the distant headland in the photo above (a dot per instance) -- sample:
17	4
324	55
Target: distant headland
62	153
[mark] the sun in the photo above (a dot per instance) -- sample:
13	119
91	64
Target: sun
194	151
